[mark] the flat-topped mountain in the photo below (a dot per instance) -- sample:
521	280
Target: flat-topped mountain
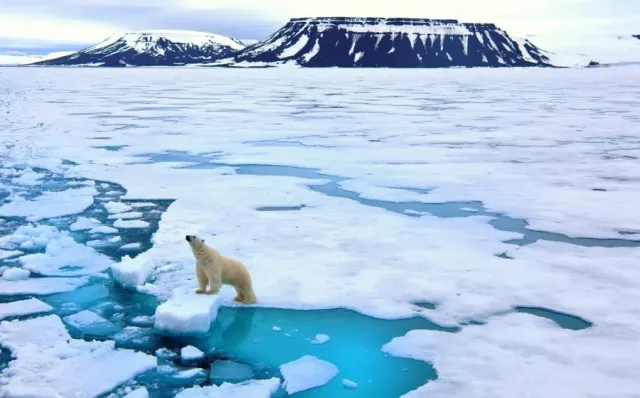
391	42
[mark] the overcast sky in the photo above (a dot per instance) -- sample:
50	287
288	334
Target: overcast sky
72	24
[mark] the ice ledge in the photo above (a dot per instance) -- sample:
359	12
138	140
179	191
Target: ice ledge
187	313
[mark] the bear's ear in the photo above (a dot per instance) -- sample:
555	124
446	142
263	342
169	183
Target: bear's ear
202	240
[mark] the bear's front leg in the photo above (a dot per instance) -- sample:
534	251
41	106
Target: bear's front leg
214	286
202	280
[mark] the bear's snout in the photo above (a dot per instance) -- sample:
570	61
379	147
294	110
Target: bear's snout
188	238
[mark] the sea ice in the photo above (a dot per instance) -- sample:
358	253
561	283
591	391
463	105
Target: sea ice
15	274
64	257
130	224
41	286
84	223
125	216
139	205
252	389
50	204
132	272
103	229
48	362
141	392
307	372
88	322
190	353
30	237
117	207
230	372
28	177
23	307
320	339
349	384
5	254
187	312
131	246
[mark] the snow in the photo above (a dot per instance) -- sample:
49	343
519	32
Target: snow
252	388
131	246
138	393
578	49
296	47
190	353
349	384
130	224
40	286
434	29
15	274
139	205
84	223
23	307
48	362
25	59
50	204
132	272
103	229
63	252
30	237
320	339
187	313
306	373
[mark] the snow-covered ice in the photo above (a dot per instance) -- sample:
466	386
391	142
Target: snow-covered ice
117	207
89	322
187	312
103	229
252	389
48	362
131	246
50	204
349	384
16	274
307	372
554	148
40	286
130	224
190	353
84	223
23	307
5	254
65	257
125	216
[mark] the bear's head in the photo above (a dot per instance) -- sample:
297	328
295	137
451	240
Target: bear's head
194	241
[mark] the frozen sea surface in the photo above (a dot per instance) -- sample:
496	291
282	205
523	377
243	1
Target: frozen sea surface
457	232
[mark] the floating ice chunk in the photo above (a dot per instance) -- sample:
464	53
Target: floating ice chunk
23	307
40	286
5	254
142	205
248	389
88	322
84	223
97	243
307	372
349	384
28	177
131	246
48	362
64	257
139	393
30	237
190	353
50	204
132	272
125	216
177	372
135	337
117	207
320	339
130	224
103	229
165	353
277	328
3	268
142	320
187	312
16	274
469	209
229	371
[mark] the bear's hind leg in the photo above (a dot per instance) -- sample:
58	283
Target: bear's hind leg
202	280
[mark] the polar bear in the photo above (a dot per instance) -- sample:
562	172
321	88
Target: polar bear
214	269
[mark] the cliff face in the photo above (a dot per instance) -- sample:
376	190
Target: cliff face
392	42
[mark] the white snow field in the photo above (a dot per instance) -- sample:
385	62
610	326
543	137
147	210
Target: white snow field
398	187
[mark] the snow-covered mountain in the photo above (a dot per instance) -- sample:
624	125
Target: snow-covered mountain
580	49
153	48
391	42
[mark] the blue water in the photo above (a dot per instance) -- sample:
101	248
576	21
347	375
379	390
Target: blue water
261	338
